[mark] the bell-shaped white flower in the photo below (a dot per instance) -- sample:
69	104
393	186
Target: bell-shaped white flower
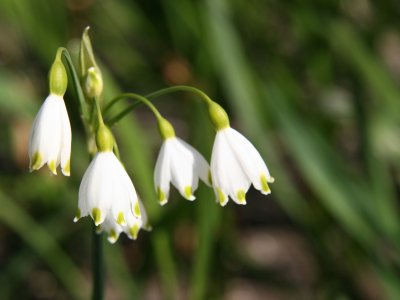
235	165
50	138
182	165
106	191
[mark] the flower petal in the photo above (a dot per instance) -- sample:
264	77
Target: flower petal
182	164
65	141
228	175
162	175
200	168
250	160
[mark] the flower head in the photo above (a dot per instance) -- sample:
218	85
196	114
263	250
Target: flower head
50	138
106	192
182	165
235	165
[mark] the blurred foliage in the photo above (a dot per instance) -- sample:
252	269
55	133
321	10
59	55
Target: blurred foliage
314	84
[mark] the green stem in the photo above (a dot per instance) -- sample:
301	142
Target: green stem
76	83
99	115
137	97
122	114
180	88
97	265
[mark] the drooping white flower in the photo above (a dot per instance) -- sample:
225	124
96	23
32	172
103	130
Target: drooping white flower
50	138
235	165
182	165
107	192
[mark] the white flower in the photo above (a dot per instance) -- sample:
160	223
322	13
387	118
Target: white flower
182	165
235	165
50	139
107	192
131	228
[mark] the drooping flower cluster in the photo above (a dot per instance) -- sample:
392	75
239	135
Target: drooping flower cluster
235	163
106	192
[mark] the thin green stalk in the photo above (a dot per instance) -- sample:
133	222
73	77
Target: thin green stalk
76	84
137	97
145	99
122	114
97	265
180	88
87	120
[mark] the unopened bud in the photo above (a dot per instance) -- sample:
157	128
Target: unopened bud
93	82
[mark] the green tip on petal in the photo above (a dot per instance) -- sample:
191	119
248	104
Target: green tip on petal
112	237
136	210
133	231
241	196
77	215
209	178
161	196
121	219
36	161
264	184
66	169
188	193
221	197
96	215
52	166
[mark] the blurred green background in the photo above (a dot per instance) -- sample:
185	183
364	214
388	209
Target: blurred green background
313	84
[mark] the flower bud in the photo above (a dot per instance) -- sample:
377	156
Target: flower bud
90	72
218	116
93	83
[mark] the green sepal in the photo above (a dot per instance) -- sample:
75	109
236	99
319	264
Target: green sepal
58	79
104	139
166	129
218	116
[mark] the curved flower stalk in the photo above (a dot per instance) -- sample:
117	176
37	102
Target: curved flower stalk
180	164
50	137
235	162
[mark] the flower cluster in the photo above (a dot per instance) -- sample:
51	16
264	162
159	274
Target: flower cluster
106	192
235	164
